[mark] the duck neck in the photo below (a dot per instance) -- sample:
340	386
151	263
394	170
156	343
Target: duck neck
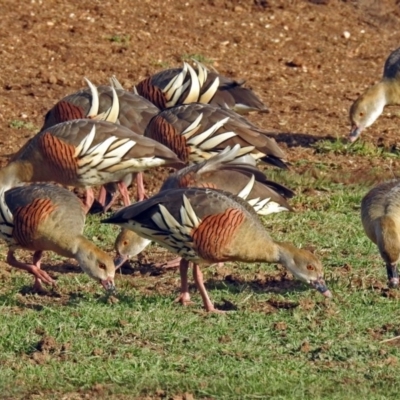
391	91
388	239
286	254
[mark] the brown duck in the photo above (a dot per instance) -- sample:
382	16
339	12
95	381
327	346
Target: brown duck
222	171
133	111
113	105
85	153
45	217
195	132
185	85
205	226
369	106
380	215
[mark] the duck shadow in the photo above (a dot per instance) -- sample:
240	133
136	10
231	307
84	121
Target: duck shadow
135	267
304	139
236	284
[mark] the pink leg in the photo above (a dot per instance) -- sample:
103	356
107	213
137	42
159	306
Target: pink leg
102	196
184	297
89	199
175	263
124	193
33	269
198	278
141	192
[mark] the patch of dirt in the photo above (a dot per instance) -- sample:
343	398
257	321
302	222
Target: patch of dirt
308	60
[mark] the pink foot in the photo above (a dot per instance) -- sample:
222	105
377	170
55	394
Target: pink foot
184	299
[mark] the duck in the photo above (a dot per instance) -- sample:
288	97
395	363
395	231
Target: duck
222	171
85	153
130	110
206	226
195	132
227	171
43	217
185	85
109	104
369	106
380	216
127	244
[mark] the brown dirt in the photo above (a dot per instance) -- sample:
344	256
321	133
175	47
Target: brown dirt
294	54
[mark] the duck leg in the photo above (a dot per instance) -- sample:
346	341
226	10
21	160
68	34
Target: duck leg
393	274
123	189
89	200
103	196
33	269
198	278
141	192
175	263
184	297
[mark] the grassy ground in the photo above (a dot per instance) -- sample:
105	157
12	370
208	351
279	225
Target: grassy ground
280	339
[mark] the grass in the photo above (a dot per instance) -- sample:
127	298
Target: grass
122	39
197	57
19	124
283	340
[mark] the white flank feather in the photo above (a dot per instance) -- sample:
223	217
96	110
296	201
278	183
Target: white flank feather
175	83
111	115
247	189
194	91
193	127
210	131
210	92
94	109
177	94
84	145
6	219
216	140
202	72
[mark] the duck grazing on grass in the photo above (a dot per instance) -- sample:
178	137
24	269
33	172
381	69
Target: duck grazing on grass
369	106
380	215
45	217
185	85
206	226
85	153
222	171
195	132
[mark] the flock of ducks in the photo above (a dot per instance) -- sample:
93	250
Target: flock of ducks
207	212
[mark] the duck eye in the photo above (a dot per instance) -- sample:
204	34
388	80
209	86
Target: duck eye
125	242
361	114
310	267
102	266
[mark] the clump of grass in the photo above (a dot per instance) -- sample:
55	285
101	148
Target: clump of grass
195	56
123	39
360	148
20	124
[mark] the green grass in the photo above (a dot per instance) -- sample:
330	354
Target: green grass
284	340
19	124
122	39
195	56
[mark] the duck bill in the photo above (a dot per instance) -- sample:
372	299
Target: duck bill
320	285
354	133
393	275
108	284
119	260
